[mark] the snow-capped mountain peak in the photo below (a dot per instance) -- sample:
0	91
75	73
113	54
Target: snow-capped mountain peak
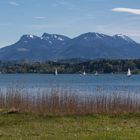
92	36
31	36
123	37
28	37
54	37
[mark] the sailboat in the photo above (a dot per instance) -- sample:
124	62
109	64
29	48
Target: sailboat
56	72
129	73
84	73
96	74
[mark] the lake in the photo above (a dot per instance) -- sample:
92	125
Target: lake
89	84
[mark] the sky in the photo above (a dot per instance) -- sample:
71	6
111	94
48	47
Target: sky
68	17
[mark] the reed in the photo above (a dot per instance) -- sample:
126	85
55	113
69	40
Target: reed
60	103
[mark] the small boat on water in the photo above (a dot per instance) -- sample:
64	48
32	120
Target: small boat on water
96	73
84	73
56	72
129	73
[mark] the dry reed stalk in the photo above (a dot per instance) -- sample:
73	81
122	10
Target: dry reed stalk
67	103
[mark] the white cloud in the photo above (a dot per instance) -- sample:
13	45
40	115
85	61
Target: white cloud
13	3
127	10
40	17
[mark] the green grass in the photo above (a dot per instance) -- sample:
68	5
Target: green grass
35	127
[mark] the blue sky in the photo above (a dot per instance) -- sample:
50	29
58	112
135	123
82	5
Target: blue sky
68	17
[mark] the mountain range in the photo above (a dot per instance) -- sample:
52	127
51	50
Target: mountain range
86	46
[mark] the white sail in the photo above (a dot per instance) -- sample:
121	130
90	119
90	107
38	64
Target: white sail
96	74
56	72
129	72
84	73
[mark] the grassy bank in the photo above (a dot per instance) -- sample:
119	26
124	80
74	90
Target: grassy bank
62	115
98	127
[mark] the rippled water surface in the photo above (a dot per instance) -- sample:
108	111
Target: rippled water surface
89	84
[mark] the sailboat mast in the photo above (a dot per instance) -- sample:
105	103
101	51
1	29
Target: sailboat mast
56	72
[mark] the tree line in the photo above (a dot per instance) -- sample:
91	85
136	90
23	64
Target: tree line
73	66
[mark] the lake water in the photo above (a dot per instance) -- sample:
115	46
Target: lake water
89	84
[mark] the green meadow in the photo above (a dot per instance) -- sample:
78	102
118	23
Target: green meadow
18	126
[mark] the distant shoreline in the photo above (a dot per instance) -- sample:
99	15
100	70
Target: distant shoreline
73	66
